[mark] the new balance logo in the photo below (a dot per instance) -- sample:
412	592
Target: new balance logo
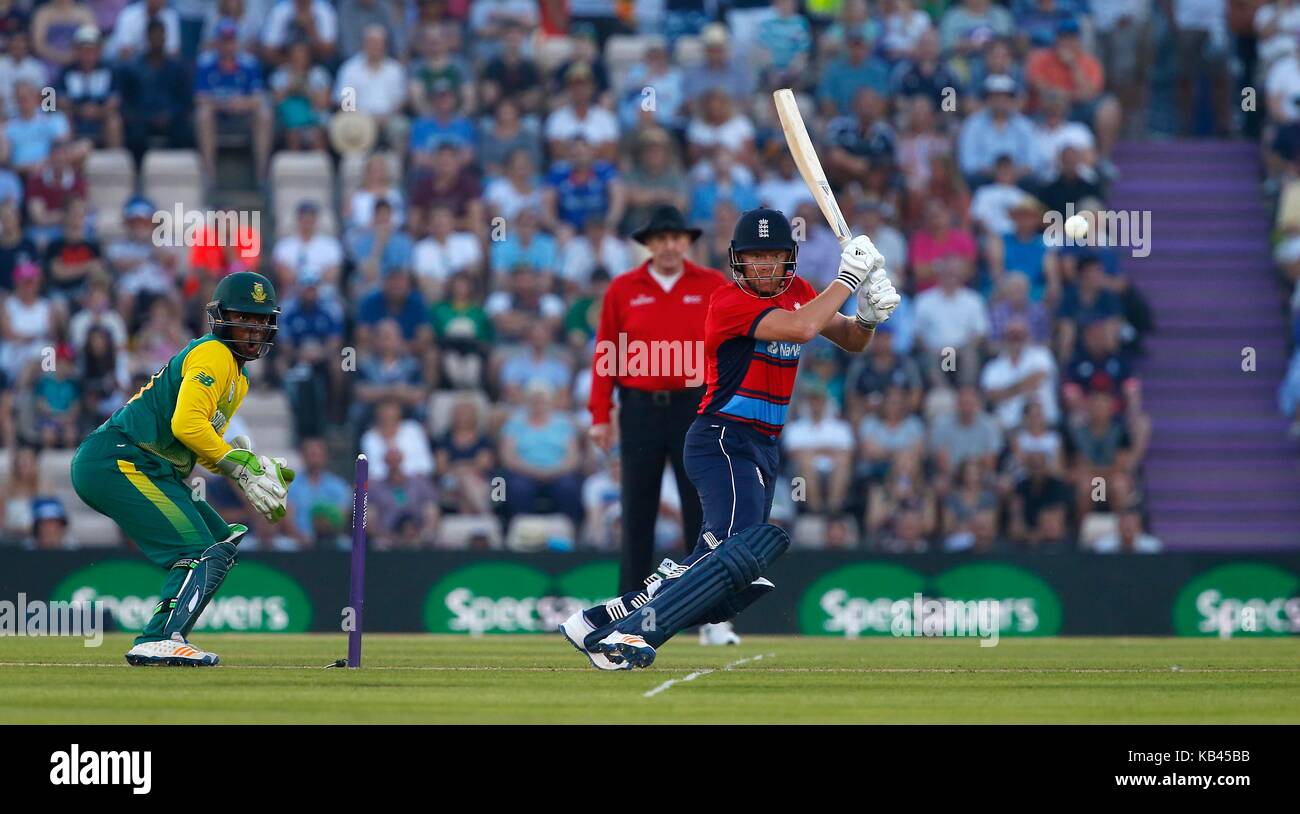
711	540
204	379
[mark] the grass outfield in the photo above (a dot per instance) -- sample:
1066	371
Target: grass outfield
440	679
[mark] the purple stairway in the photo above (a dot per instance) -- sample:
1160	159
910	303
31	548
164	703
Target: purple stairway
1221	472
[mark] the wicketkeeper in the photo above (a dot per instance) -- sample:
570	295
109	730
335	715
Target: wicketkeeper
133	467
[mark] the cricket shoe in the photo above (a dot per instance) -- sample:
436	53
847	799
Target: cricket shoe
633	649
717	634
174	652
575	630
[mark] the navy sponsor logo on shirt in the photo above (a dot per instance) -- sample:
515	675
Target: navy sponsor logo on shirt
784	350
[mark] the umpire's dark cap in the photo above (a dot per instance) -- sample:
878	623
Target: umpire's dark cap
664	218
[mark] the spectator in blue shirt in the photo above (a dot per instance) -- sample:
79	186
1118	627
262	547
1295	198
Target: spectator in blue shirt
397	299
230	96
582	187
525	245
389	374
857	68
311	345
308	318
33	131
787	38
1024	249
381	247
1037	21
445	125
721	178
539	450
999	129
316	486
536	360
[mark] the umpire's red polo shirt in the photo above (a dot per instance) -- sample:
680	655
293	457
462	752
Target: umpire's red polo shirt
638	308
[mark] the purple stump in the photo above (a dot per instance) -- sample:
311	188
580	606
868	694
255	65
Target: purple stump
357	597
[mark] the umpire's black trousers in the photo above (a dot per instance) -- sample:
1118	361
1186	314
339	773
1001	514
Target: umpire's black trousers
652	427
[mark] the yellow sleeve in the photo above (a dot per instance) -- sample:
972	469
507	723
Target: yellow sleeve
205	375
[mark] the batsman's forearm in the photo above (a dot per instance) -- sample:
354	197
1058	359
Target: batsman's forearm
849	334
819	313
858	335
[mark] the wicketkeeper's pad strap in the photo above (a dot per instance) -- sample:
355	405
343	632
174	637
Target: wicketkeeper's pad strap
203	580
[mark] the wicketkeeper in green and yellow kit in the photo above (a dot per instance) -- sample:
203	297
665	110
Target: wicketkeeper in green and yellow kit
133	468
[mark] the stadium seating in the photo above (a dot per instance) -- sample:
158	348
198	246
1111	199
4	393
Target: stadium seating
171	177
110	182
533	532
298	178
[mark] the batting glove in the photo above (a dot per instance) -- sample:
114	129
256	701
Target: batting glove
858	260
877	301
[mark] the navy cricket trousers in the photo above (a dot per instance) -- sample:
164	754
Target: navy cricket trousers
734	469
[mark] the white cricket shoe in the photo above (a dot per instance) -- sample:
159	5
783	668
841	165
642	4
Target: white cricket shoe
575	630
721	633
174	652
634	649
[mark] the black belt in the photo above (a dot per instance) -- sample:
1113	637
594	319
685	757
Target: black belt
660	398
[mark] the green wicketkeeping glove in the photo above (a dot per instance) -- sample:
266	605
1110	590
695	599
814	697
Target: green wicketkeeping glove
264	481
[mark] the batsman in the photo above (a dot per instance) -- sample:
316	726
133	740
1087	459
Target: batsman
754	333
134	467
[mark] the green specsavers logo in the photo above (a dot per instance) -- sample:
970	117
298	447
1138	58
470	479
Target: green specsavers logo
866	599
1247	599
502	597
255	598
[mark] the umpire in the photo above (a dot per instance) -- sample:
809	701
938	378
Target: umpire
665	299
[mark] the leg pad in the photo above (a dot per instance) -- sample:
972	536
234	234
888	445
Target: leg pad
728	569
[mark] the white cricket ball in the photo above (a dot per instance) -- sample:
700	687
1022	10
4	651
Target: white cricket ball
1076	226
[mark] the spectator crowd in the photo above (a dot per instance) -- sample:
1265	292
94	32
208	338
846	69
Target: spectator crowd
439	314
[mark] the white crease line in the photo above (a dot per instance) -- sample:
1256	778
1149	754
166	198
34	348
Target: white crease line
846	670
698	673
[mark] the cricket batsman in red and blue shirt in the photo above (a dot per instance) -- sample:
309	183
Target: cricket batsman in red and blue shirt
753	335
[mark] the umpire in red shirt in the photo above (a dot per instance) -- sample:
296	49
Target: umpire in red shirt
650	345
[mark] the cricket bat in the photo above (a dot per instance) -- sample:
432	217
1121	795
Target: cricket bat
805	158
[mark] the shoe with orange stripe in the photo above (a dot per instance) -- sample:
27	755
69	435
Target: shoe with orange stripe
575	630
635	650
174	652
